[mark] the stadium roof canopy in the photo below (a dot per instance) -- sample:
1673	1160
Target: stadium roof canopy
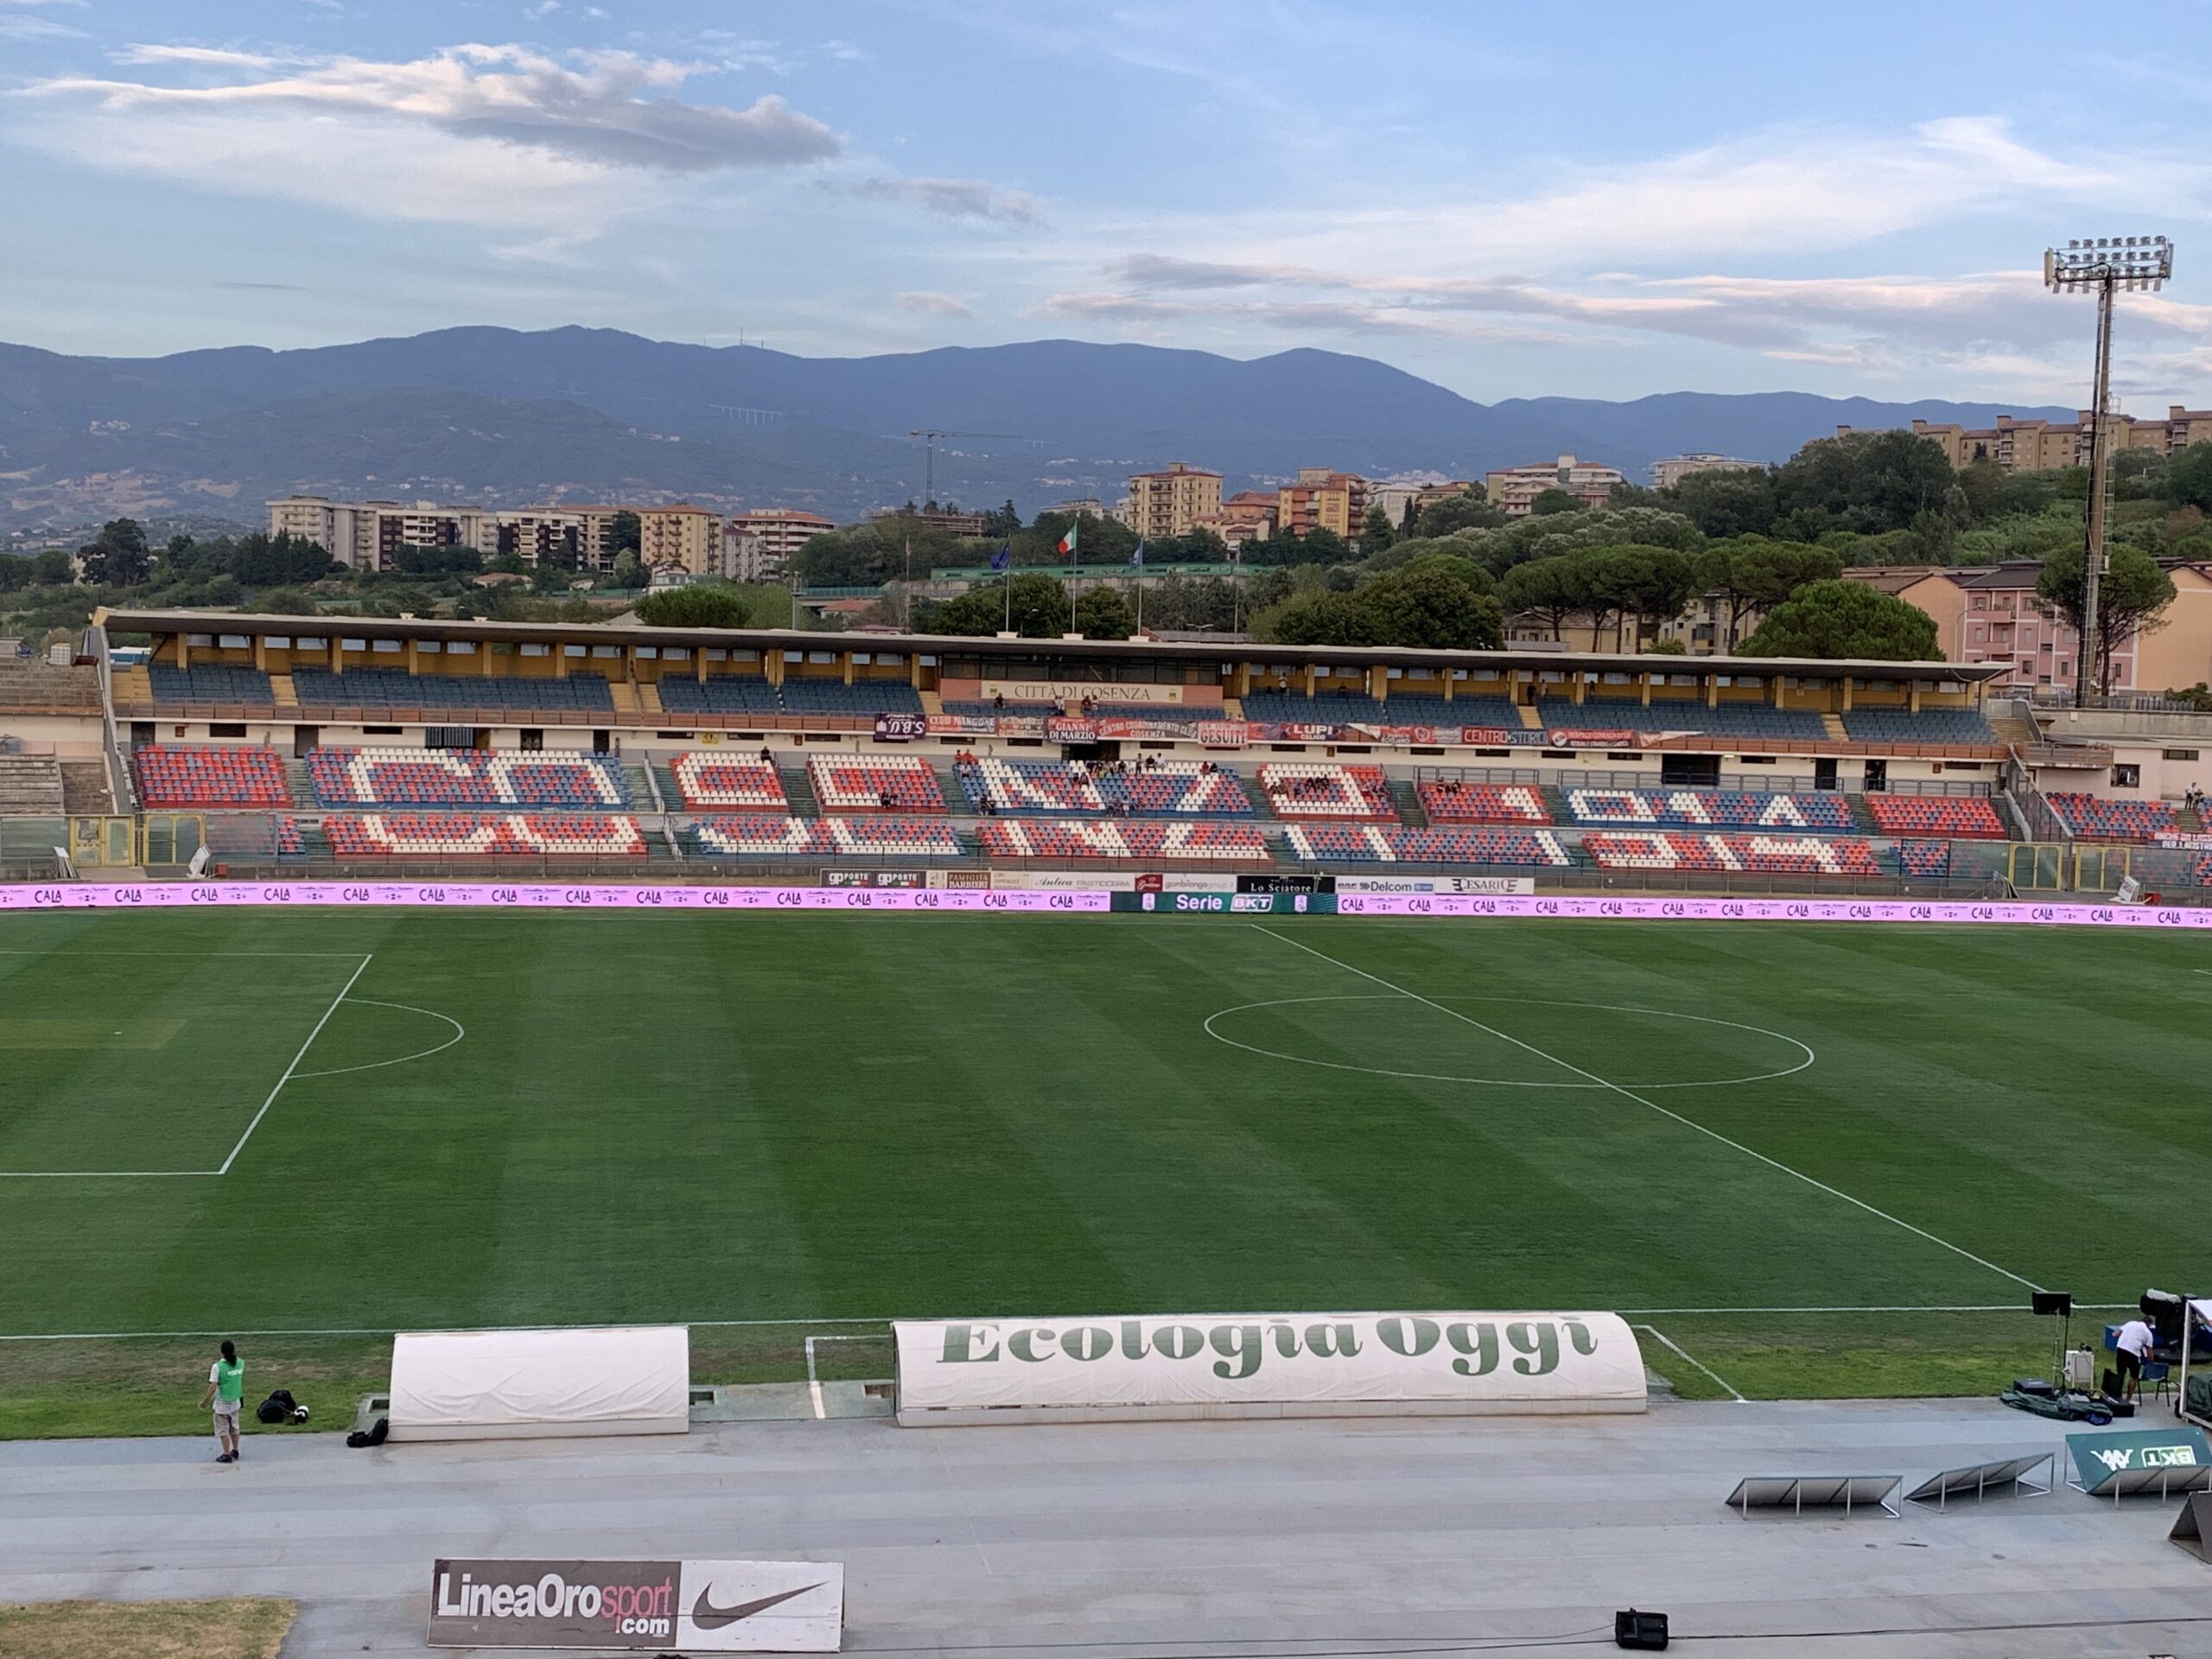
1015	652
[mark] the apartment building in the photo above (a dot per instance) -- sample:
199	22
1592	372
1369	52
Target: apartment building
776	534
1665	475
1515	489
681	537
1322	500
376	535
1247	516
1992	614
2033	446
1173	501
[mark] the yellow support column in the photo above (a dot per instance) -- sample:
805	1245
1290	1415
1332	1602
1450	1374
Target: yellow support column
261	652
1581	688
1378	683
184	650
337	653
1713	690
1646	688
1912	697
847	657
1444	674
1847	694
1305	676
772	663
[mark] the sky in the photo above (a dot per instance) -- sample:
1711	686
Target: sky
1603	201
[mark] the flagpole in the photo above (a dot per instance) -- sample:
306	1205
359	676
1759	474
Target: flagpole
1009	593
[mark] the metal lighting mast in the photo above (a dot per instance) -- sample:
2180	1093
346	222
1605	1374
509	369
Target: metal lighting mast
2106	264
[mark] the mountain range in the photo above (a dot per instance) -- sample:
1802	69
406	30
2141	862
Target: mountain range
500	418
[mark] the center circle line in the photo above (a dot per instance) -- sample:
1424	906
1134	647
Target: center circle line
1509	1083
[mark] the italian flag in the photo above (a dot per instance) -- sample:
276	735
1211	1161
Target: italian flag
1066	548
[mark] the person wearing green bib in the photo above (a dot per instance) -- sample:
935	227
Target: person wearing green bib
227	1392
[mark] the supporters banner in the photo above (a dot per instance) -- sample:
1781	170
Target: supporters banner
1581	737
1101	694
653	1606
1271	1364
1230	735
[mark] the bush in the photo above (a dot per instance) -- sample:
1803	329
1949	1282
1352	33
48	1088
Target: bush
693	607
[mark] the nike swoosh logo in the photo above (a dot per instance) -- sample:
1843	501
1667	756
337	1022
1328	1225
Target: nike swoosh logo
708	1616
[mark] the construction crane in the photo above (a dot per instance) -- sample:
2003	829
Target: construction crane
929	435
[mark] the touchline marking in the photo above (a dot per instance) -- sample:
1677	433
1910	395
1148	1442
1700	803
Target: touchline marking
813	1381
887	1321
459	1032
343	992
1653	1105
1699	1363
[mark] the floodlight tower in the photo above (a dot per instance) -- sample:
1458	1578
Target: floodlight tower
2105	264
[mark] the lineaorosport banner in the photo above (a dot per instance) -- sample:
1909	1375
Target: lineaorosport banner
1220	1364
656	1606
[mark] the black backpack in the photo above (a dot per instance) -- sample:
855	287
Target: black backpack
277	1407
375	1436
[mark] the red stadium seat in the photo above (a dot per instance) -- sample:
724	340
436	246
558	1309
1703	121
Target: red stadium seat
1949	816
180	776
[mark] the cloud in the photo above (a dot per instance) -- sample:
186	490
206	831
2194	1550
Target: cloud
601	110
949	198
928	304
1636	254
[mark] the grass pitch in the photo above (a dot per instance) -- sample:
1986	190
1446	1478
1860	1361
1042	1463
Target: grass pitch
448	1119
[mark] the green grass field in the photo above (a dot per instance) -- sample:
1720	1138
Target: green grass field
1745	1135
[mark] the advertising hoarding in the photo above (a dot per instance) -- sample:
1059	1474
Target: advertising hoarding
1265	1364
649	1606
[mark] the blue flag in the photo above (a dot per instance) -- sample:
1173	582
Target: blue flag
1137	557
1003	558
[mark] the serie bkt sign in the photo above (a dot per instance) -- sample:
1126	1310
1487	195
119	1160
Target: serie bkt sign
702	1606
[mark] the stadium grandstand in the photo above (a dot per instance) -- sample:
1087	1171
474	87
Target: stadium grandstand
439	746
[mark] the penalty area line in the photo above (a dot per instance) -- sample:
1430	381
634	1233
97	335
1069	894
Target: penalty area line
1627	1093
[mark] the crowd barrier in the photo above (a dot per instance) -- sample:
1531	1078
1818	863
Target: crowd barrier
190	895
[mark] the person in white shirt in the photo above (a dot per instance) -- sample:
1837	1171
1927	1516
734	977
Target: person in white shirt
2133	1345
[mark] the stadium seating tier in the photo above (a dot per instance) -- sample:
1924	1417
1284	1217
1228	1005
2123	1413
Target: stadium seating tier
752	837
1322	789
398	777
1452	802
582	691
1770	854
2095	817
1393	843
173	775
1956	818
710	780
1701	808
462	835
1173	789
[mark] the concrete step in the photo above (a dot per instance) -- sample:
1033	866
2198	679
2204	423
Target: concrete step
85	792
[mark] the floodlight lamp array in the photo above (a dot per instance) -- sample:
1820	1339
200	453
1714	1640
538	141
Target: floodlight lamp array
2128	262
